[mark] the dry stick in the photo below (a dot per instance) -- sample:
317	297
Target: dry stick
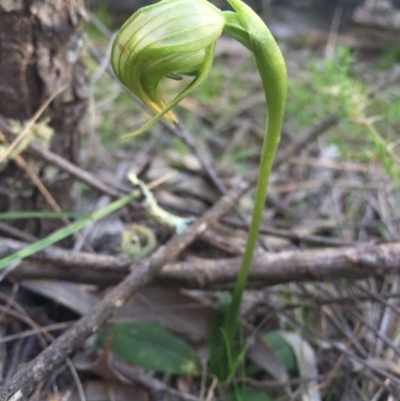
268	269
101	203
108	189
154	386
20	161
62	257
35	331
30	123
311	333
65	165
44	336
84	176
17	233
292	235
384	338
182	133
73	170
308	136
25	381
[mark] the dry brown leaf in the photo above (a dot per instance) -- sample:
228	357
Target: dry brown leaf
75	297
306	362
262	355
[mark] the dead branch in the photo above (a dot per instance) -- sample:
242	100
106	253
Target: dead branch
268	269
289	266
26	380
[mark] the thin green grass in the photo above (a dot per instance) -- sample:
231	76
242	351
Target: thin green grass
41	215
66	231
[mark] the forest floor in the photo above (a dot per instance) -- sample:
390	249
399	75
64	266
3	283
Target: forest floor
323	300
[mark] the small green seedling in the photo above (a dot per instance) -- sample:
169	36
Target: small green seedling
178	37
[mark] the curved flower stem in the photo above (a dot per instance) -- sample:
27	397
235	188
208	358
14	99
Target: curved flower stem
178	36
250	30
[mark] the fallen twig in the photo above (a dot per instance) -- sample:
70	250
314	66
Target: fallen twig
25	381
305	138
289	266
268	269
58	161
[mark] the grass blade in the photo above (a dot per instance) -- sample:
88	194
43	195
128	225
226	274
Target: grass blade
41	215
66	231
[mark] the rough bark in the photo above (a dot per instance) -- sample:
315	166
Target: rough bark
39	54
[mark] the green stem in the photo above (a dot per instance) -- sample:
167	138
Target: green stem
271	67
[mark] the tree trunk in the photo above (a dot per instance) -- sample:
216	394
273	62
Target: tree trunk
39	49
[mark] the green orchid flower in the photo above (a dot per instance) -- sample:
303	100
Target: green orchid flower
170	37
178	37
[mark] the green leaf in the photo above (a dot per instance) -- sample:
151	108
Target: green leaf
248	394
217	345
282	350
152	347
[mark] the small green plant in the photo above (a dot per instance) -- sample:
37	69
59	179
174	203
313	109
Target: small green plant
366	131
177	37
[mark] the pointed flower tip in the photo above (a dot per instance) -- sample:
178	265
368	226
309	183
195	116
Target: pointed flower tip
168	116
171	118
158	108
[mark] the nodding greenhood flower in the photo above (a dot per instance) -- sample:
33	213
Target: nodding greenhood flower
170	37
178	37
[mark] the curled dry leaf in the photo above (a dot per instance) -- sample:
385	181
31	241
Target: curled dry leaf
75	297
306	363
264	356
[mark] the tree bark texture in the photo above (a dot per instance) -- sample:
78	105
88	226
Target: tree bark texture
39	54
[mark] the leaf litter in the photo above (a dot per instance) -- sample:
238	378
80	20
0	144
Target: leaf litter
318	192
